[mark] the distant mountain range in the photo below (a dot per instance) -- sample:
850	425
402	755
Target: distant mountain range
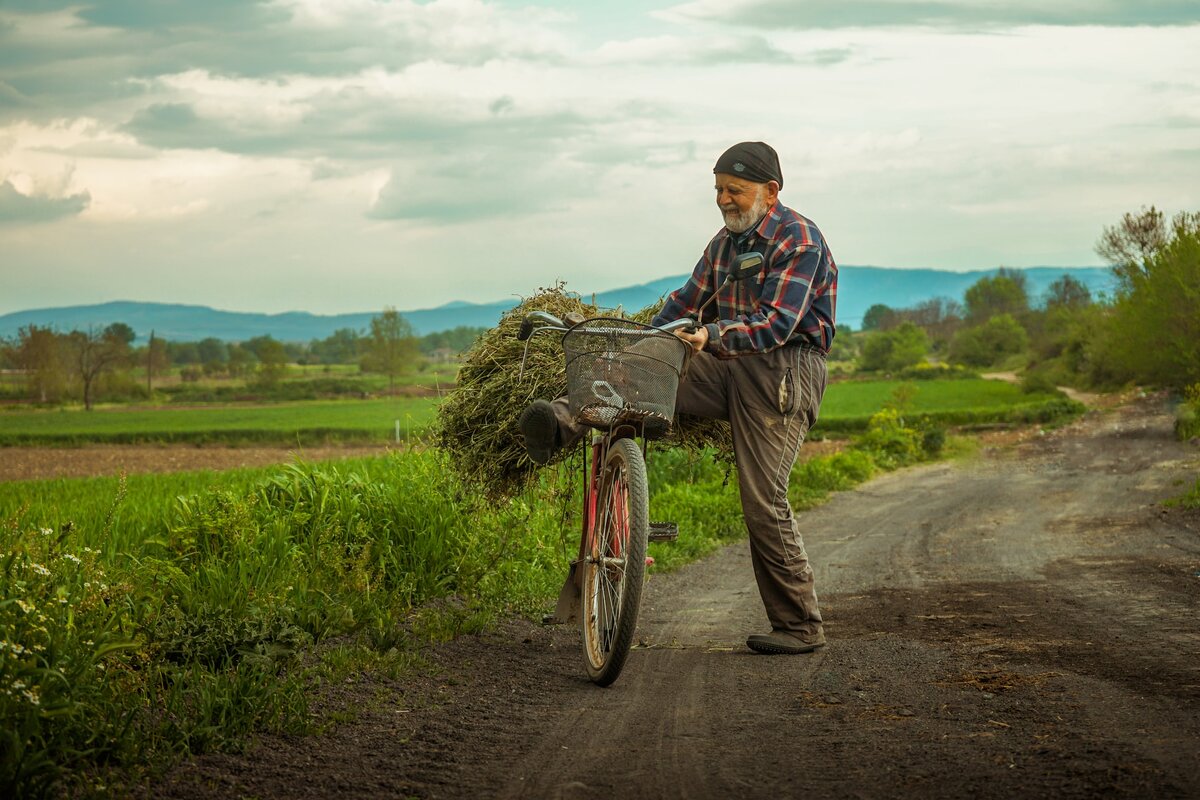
859	288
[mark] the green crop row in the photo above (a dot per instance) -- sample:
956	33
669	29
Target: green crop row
847	406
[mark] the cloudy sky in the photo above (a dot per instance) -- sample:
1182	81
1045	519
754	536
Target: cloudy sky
343	155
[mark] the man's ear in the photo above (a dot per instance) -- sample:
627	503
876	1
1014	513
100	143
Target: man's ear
772	190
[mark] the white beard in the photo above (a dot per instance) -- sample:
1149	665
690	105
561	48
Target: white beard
740	222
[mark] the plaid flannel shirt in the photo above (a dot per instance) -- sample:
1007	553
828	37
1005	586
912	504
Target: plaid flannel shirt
793	300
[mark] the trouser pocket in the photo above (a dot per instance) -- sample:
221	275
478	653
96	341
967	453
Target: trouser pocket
789	399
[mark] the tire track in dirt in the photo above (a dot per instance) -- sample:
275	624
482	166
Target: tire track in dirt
1021	625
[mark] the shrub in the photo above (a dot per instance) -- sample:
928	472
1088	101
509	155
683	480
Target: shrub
889	442
933	440
925	371
1187	415
1038	382
990	343
62	660
903	346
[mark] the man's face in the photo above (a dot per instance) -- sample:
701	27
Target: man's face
743	202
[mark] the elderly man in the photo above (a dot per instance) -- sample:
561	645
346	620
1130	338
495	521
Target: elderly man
759	364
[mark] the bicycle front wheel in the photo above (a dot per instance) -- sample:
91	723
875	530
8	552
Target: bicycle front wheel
614	565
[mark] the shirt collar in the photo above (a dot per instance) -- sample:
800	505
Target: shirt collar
765	229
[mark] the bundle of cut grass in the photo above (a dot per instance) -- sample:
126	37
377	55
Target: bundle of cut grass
477	422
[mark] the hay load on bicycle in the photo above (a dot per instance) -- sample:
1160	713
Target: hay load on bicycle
478	421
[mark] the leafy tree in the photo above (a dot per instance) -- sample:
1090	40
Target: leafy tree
240	360
343	346
1132	243
845	345
40	353
95	353
987	344
903	346
1003	293
1153	334
212	353
457	339
272	360
391	346
877	318
183	353
119	332
296	352
941	318
258	344
1066	292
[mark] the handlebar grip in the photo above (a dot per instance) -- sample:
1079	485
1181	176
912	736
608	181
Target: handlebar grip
526	330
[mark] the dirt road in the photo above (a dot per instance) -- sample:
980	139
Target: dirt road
1023	625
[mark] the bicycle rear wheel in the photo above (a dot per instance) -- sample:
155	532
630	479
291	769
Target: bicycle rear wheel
614	565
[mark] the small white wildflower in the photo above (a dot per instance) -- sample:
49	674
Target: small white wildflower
72	558
32	697
39	569
18	685
90	551
26	607
47	532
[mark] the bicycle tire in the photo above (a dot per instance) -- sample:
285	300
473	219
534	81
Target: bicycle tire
615	564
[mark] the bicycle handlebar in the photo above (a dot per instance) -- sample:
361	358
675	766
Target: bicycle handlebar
553	323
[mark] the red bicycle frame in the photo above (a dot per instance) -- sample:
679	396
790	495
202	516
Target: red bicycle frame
591	499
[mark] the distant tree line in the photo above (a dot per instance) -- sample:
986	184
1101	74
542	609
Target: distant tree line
80	365
1148	332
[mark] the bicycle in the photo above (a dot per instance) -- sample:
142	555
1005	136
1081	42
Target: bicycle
622	379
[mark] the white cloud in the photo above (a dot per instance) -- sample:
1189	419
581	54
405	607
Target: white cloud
959	14
267	147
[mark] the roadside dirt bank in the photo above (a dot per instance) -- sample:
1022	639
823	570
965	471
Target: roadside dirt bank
1021	625
38	463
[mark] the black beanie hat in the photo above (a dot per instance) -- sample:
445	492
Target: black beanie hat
754	161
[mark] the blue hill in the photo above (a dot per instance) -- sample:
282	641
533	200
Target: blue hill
859	288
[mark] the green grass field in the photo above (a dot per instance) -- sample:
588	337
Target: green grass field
301	422
847	407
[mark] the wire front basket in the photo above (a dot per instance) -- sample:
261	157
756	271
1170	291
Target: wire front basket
621	371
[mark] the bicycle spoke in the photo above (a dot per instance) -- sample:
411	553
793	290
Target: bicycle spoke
614	563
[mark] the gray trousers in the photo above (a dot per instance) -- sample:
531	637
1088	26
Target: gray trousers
770	401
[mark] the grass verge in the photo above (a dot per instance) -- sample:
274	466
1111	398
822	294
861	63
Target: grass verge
148	618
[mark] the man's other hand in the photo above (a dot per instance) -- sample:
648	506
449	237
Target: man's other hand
697	340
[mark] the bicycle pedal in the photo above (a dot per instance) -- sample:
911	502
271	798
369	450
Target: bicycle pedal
663	531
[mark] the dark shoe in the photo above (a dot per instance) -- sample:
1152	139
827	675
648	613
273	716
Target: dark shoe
540	428
779	642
